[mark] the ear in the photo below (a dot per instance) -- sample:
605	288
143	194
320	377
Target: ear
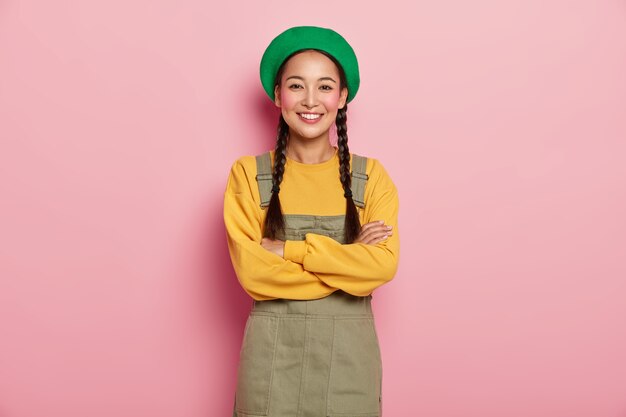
277	96
343	97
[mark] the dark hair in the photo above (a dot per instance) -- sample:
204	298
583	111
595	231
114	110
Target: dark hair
274	221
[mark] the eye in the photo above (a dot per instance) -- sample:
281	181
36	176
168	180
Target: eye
294	85
327	89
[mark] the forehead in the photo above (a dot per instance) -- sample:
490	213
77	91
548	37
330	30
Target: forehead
310	63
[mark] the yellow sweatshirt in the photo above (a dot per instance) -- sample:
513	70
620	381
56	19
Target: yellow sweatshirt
319	265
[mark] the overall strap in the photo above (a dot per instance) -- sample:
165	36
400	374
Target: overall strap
359	179
264	178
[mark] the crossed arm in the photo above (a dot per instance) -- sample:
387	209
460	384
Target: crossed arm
318	265
371	233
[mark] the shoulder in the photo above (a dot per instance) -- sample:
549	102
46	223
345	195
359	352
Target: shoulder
375	169
242	177
245	162
379	179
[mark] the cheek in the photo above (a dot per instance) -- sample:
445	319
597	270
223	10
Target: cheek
289	100
331	101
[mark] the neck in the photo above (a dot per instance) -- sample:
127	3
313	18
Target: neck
309	151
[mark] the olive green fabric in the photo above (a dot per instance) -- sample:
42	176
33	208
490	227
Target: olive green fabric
310	358
309	37
358	178
264	177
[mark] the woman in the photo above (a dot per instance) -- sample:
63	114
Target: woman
311	231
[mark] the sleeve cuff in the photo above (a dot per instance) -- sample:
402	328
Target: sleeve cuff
294	250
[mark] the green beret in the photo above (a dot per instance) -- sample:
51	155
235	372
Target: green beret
309	37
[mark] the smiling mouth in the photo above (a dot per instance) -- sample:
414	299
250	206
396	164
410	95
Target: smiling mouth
310	116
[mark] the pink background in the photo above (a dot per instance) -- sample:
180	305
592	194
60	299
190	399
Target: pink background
503	124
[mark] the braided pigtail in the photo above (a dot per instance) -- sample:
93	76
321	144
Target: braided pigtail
352	223
274	221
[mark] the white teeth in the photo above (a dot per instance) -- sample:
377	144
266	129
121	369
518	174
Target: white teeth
310	116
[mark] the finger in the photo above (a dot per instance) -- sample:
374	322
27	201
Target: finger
374	231
376	237
369	225
380	225
378	240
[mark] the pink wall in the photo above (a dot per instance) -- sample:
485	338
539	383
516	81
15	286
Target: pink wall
503	125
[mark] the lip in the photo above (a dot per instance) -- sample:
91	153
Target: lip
310	121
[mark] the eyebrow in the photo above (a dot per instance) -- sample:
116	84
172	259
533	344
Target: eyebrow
320	79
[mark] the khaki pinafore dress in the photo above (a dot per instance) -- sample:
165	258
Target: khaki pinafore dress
310	358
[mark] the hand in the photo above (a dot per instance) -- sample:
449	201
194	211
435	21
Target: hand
276	246
373	232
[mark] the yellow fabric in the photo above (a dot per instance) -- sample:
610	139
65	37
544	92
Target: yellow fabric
319	265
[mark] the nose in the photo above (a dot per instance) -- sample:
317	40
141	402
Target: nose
310	98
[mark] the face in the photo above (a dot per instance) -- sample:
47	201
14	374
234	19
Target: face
309	95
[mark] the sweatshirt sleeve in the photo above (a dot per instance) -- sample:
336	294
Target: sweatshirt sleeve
356	268
261	273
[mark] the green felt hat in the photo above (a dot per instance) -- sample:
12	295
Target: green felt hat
309	37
